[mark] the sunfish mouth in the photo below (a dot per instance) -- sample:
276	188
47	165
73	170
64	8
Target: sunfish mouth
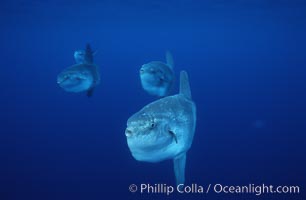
63	80
128	132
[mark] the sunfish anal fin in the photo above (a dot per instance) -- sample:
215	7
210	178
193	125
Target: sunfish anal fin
179	168
90	92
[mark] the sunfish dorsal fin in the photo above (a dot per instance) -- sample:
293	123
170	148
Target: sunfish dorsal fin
184	85
89	54
169	59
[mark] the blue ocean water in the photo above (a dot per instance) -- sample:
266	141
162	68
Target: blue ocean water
246	63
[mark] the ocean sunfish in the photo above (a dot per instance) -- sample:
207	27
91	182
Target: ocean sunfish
84	56
79	56
164	129
81	77
157	77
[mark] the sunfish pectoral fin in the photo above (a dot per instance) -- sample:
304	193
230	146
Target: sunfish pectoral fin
169	59
184	85
90	92
179	168
173	135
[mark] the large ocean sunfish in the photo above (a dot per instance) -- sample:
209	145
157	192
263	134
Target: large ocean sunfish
164	129
81	77
157	77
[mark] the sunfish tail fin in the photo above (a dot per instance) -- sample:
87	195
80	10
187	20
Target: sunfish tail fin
169	59
89	54
184	85
179	168
90	92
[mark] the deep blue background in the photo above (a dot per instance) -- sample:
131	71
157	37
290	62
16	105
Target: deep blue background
246	62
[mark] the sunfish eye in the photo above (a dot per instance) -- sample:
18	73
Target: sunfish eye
66	77
152	125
